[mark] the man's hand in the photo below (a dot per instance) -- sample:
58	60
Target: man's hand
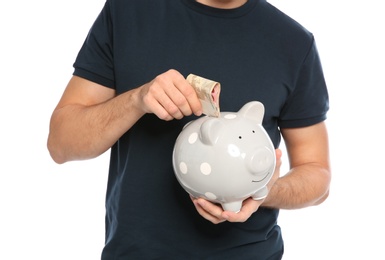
215	213
169	96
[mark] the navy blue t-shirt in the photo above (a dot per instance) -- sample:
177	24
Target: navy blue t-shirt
257	53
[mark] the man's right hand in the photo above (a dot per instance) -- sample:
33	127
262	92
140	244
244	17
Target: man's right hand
169	96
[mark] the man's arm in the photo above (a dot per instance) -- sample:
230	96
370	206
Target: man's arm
87	121
306	184
90	118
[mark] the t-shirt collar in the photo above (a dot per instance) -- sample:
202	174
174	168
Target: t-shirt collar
218	12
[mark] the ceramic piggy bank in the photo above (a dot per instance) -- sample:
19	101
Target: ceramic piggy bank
226	159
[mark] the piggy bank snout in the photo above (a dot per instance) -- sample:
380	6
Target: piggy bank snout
260	160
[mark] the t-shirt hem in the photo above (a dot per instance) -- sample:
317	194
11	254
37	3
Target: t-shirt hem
83	73
302	122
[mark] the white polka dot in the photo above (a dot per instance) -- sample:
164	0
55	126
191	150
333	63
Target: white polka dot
205	168
192	138
230	116
210	195
183	167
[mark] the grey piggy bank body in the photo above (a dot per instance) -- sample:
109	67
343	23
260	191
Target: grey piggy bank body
226	159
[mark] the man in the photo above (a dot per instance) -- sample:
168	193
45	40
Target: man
129	93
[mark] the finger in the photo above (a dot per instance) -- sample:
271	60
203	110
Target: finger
155	100
173	109
167	92
193	104
206	215
278	155
178	105
182	99
277	170
248	208
208	210
159	101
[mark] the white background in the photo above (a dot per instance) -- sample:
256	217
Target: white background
51	211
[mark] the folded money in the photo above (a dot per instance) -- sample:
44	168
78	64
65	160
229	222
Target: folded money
208	93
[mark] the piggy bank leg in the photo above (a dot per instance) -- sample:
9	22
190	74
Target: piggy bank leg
261	194
234	206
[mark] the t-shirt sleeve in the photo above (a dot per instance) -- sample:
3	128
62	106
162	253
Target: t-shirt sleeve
308	103
95	58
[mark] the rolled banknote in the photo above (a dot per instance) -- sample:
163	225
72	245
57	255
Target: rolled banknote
208	93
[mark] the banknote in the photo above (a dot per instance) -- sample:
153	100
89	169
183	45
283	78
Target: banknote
208	93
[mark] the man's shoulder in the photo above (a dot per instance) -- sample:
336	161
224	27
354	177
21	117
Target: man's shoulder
285	24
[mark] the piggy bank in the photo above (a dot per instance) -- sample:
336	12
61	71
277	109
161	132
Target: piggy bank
226	159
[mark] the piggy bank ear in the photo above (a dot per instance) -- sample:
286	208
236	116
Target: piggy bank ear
210	131
253	110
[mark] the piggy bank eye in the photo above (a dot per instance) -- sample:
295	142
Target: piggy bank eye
240	137
253	131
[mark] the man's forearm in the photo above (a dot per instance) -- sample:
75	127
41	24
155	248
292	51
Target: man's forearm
303	186
81	132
